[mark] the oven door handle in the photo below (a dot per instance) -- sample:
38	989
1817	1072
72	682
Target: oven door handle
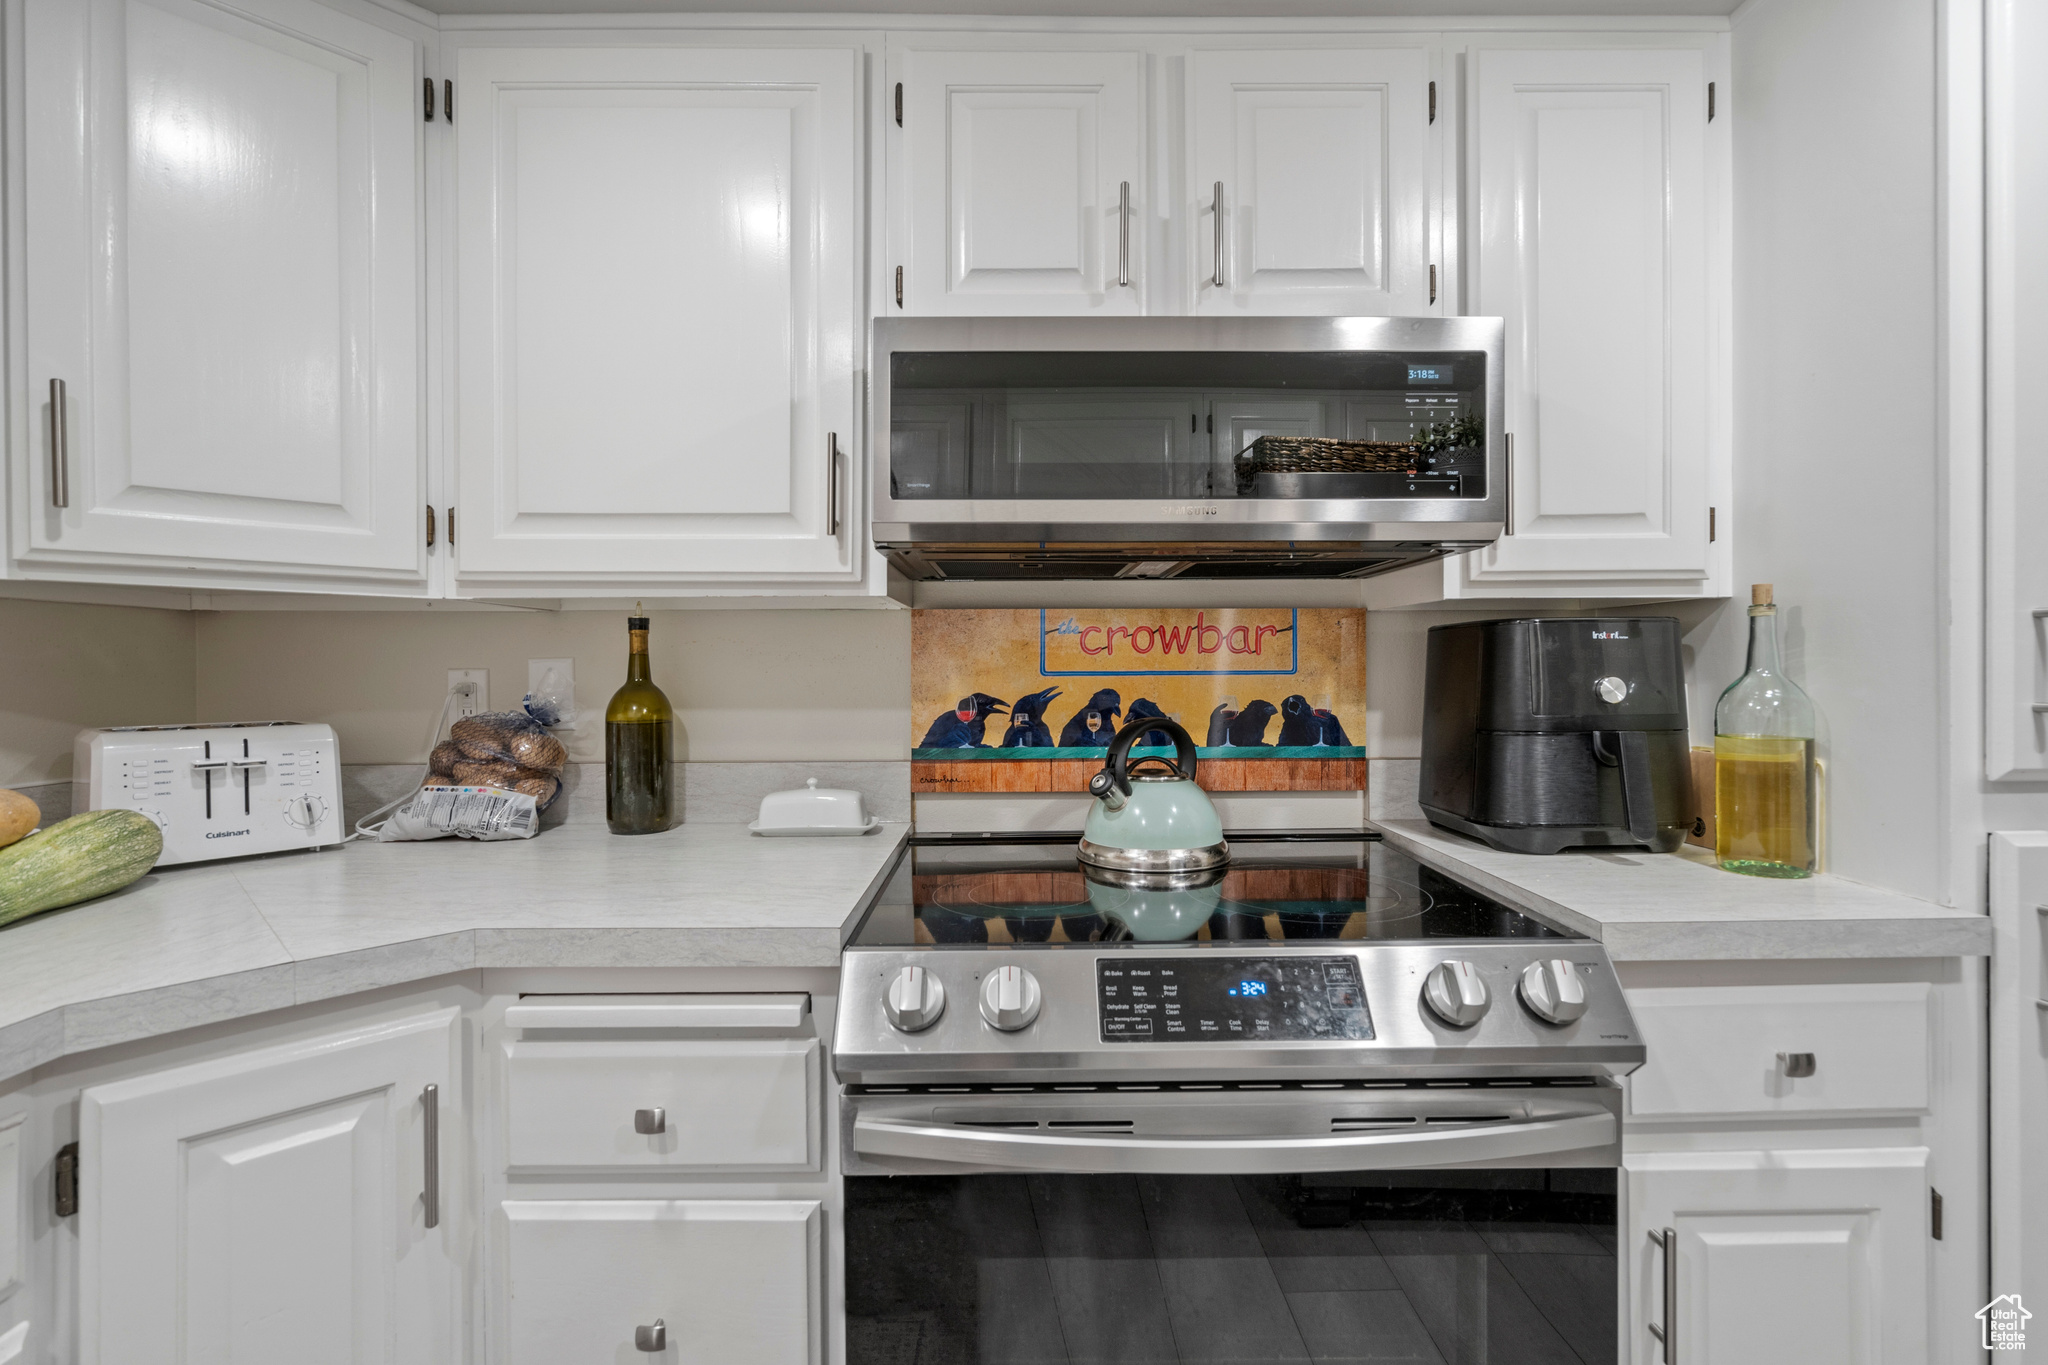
1037	1150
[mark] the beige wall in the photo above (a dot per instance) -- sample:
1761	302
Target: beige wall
65	667
746	685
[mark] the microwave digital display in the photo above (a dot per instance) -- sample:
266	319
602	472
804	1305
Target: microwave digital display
1430	374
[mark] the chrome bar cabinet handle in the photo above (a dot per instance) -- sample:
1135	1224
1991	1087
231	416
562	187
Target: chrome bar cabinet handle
1667	1334
832	481
60	447
1123	236
1216	208
430	1105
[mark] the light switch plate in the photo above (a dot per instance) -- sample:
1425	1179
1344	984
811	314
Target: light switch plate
480	700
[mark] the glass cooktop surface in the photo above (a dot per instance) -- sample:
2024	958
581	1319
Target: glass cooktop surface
971	891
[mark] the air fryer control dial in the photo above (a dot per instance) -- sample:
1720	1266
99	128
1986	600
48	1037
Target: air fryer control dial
1611	690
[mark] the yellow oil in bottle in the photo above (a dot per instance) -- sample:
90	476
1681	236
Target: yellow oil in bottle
1763	805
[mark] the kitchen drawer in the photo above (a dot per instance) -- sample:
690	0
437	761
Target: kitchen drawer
1714	1050
730	1280
728	1104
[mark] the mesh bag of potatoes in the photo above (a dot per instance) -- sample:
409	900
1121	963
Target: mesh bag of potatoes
507	749
490	779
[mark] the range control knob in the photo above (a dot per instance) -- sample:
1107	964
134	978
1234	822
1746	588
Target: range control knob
1552	991
915	1000
1010	998
1455	994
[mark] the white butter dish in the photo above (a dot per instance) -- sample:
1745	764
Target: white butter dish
812	809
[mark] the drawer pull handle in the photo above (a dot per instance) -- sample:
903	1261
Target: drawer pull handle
650	1121
1796	1065
651	1338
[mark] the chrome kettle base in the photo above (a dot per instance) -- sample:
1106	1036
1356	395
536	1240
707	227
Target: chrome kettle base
1155	859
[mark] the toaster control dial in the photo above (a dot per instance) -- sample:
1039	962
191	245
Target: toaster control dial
1611	690
1455	994
1552	991
304	812
1010	998
914	1000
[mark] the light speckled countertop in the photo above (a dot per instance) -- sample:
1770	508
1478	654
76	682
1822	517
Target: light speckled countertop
189	946
1679	907
194	945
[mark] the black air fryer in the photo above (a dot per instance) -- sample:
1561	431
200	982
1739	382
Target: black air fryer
1544	735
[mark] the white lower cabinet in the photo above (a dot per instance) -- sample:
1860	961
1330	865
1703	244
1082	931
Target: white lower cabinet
715	1281
1790	1257
715	1105
277	1205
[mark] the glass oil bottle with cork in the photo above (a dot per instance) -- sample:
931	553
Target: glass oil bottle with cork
639	742
1765	789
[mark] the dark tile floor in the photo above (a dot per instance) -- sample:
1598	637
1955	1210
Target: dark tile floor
1133	1270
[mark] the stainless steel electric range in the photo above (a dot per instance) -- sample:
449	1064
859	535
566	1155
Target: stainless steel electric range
1321	1105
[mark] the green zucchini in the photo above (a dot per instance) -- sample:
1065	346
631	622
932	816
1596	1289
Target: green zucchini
88	855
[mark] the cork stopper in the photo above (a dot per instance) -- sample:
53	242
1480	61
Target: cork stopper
1760	594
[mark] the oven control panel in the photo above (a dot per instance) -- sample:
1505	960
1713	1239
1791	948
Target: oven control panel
1193	998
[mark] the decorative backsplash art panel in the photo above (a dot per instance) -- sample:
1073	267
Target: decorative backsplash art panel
1026	701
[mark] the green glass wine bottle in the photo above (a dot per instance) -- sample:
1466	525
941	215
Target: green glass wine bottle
639	738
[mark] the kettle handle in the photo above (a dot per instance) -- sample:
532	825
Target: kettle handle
1116	765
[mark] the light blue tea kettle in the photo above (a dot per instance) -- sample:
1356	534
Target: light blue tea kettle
1149	816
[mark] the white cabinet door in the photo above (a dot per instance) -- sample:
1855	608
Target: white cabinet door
2019	1066
728	1280
2016	401
272	1206
1589	171
656	316
223	245
1324	164
1783	1257
1021	185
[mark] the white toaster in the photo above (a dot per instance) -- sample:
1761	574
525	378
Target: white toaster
218	791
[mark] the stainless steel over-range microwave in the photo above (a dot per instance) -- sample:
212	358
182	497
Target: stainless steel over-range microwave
1217	448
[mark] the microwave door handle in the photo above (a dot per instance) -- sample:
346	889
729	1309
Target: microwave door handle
1107	1153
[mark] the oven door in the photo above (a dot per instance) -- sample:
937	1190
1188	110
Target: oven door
1223	1226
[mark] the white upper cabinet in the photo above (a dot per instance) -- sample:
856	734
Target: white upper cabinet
291	1203
1592	228
222	247
657	317
1020	183
2016	401
1309	181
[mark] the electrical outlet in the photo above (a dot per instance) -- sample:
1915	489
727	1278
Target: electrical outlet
564	670
473	689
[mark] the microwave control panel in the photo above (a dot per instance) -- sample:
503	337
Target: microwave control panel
1193	998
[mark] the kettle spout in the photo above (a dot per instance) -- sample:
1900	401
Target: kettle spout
1103	787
